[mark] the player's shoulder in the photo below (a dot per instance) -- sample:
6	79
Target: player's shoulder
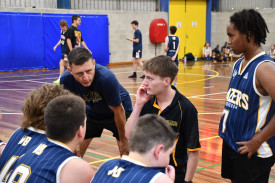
78	167
66	76
103	73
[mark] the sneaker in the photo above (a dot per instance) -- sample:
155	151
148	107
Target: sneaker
57	82
142	77
133	76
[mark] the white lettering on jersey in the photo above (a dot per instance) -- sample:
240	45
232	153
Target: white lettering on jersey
238	98
115	172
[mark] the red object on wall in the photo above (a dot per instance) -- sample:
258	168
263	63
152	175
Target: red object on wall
158	31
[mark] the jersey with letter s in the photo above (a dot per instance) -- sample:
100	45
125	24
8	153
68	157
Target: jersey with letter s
246	111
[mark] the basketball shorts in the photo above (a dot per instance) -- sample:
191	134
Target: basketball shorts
240	169
95	127
137	54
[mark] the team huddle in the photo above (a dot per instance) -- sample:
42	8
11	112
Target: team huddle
60	121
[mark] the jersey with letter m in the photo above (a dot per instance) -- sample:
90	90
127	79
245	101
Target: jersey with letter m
247	111
126	170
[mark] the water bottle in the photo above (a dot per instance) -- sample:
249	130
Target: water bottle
196	59
185	59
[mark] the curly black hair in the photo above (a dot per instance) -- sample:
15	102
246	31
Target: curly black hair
251	23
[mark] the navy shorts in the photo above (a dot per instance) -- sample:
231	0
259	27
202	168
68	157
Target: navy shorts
239	168
137	54
94	127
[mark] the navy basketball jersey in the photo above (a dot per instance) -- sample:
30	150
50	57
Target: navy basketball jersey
173	43
246	111
20	141
126	170
42	163
137	46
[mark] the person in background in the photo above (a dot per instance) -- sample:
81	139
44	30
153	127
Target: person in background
207	51
137	48
171	48
64	61
271	52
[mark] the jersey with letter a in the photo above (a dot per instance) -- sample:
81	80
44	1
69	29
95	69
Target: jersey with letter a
42	163
173	43
246	111
126	170
20	141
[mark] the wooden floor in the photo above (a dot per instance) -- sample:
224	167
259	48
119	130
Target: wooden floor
203	82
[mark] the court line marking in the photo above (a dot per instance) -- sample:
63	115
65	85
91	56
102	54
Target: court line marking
20	76
197	96
94	162
27	80
209	138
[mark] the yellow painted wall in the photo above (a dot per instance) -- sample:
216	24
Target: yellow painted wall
192	38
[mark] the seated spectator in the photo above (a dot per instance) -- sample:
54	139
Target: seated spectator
147	158
207	51
271	52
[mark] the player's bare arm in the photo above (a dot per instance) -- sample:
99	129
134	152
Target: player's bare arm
166	44
133	40
266	86
120	120
76	170
192	163
57	44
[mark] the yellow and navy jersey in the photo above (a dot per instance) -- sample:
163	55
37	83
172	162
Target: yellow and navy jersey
247	111
20	141
42	163
182	116
126	170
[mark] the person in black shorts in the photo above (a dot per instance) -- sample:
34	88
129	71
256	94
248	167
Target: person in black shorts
137	48
108	103
62	41
157	96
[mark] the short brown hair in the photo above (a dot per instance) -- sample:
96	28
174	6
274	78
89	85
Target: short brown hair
63	23
63	117
36	102
75	17
150	131
162	66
